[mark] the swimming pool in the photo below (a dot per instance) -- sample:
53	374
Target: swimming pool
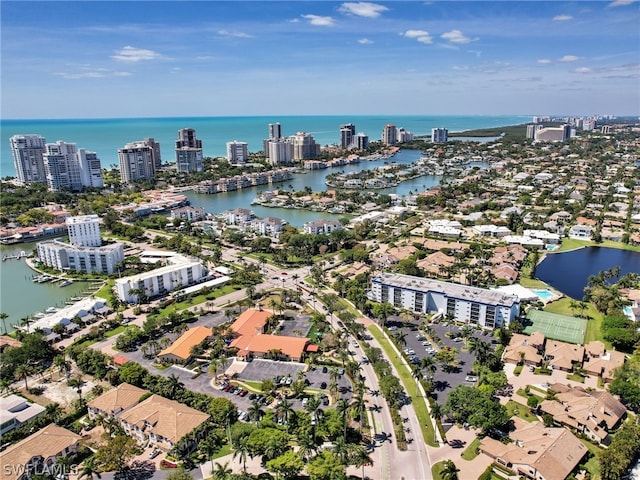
543	294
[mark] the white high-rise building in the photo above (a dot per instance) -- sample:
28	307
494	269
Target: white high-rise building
389	134
275	130
66	167
139	160
280	152
28	159
237	152
439	135
347	134
188	152
304	146
90	169
84	231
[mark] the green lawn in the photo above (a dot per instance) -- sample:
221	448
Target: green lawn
592	465
410	386
471	451
197	300
105	290
520	410
115	331
225	450
572	244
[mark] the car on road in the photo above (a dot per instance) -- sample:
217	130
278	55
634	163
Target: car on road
470	378
323	385
154	453
305	400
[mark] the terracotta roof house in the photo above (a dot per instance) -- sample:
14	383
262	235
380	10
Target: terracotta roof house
529	345
600	362
537	452
251	341
7	341
160	421
592	413
435	261
505	272
562	355
180	350
115	401
37	452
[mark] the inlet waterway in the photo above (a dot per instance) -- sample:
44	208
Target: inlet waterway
569	272
21	297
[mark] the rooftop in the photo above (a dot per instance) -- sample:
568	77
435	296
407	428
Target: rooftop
181	348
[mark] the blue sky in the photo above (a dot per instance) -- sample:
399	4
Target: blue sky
217	58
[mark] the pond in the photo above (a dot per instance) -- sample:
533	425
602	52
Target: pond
569	272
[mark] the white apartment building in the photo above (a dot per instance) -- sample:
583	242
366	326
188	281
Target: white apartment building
182	272
188	152
84	231
439	135
28	151
66	167
471	305
238	216
304	146
64	257
404	136
237	152
279	151
389	134
188	213
321	227
491	231
139	160
268	226
553	134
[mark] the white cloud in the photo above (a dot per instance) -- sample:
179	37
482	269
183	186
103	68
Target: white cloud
583	70
79	75
562	18
227	33
569	58
79	72
544	61
365	41
319	21
363	9
621	3
132	54
456	36
420	35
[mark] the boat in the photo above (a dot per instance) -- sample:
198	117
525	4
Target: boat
39	315
65	283
51	310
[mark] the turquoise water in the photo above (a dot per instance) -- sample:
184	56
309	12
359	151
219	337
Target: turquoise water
543	294
105	136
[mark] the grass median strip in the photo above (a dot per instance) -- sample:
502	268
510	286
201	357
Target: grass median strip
418	401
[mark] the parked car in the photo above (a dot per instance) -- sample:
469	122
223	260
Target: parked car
305	400
244	393
154	453
323	385
341	371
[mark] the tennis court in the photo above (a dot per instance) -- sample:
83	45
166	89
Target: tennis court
557	327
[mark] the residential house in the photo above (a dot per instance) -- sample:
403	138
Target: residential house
15	411
602	362
593	413
525	348
537	452
562	355
160	421
180	350
38	453
114	401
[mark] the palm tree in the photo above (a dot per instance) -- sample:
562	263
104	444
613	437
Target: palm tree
255	412
428	364
23	371
173	385
3	317
222	472
342	406
89	469
209	447
401	338
449	471
54	411
62	364
285	409
359	403
481	350
242	450
359	457
64	464
313	408
307	445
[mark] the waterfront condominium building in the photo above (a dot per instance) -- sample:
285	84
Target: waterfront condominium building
347	134
84	231
553	134
279	151
389	134
28	151
275	130
181	272
188	152
139	160
472	305
304	146
439	135
237	152
404	136
66	167
361	141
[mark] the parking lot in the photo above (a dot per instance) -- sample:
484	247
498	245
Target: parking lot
260	369
443	382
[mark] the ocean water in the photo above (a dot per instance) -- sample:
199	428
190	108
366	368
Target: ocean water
105	136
